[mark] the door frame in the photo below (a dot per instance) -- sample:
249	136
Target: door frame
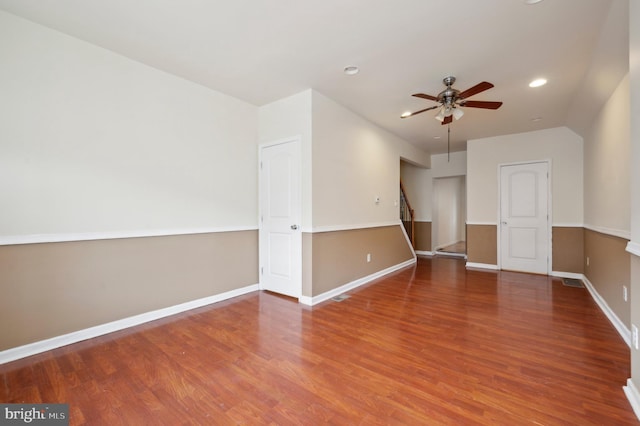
261	236
549	211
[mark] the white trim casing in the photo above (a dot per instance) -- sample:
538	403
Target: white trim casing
407	239
633	396
7	240
620	233
472	223
473	265
99	330
633	248
314	300
424	253
333	228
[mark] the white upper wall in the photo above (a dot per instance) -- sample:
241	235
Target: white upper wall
354	162
94	142
634	158
446	165
607	150
417	183
560	145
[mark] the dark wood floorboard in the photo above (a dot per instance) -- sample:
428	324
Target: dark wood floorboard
431	344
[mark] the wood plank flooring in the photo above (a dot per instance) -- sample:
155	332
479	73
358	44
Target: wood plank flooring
431	344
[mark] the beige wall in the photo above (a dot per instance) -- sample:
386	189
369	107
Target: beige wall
568	249
609	270
482	244
423	236
340	257
634	158
53	289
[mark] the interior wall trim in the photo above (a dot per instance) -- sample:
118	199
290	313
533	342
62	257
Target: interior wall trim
620	233
633	248
424	253
99	330
332	228
633	396
567	225
6	240
469	222
604	307
310	301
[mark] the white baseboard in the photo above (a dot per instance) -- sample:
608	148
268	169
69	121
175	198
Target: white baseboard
604	307
306	300
473	265
424	253
99	330
633	396
573	275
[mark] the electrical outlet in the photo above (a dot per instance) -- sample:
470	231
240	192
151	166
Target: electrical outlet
634	336
625	292
368	257
587	260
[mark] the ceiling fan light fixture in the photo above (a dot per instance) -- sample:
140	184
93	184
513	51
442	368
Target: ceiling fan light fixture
457	113
441	115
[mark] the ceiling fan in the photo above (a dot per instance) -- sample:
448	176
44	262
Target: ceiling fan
451	101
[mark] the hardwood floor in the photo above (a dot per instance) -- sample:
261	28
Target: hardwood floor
431	344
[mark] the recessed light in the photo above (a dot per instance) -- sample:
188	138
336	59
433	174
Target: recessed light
406	114
536	119
538	82
437	137
351	70
532	1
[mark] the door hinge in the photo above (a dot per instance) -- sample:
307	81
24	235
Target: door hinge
261	165
262	270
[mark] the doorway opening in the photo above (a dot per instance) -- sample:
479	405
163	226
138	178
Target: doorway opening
449	216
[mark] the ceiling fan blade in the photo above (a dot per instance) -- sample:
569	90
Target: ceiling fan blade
482	104
448	119
418	112
423	96
480	87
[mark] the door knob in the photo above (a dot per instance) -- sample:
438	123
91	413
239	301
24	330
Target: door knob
504	223
294	227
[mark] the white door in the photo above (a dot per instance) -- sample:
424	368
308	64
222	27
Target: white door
524	217
280	211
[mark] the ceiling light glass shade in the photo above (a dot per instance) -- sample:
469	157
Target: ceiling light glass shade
448	111
457	113
440	116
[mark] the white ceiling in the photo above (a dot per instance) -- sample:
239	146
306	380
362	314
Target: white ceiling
264	50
